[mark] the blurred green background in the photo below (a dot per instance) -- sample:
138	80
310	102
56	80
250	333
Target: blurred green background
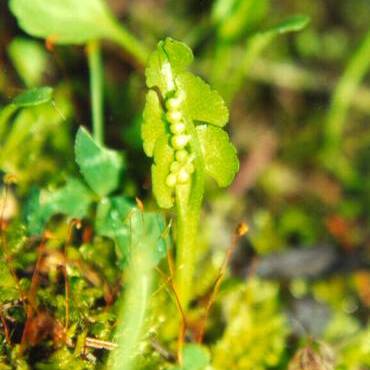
300	113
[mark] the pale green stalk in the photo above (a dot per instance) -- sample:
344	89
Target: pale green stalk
188	206
132	313
96	89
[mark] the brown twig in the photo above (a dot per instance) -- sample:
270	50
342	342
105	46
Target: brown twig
183	325
31	298
240	230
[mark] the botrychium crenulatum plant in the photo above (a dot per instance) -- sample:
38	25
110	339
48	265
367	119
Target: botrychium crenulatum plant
182	131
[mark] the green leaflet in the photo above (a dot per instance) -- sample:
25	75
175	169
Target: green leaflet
111	221
221	161
147	235
67	21
195	357
100	167
72	200
131	229
171	58
163	157
153	125
201	102
33	97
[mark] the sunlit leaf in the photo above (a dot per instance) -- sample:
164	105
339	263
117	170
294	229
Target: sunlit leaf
153	125
67	21
169	59
163	157
201	102
33	97
221	161
100	167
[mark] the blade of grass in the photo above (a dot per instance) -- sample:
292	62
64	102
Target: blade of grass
96	89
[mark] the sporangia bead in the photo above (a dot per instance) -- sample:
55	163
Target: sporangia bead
180	141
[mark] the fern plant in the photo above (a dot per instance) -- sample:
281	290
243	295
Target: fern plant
183	132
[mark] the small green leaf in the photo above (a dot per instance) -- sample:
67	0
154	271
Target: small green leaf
153	125
111	221
33	97
195	357
201	102
72	200
171	58
293	24
147	229
118	219
221	161
67	21
30	59
163	157
100	167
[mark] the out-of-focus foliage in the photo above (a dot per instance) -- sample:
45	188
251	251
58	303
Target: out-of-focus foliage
256	328
295	76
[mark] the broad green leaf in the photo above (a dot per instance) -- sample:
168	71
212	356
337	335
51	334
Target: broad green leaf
163	157
201	102
112	221
153	125
63	21
72	200
30	59
33	97
171	58
221	161
100	167
195	357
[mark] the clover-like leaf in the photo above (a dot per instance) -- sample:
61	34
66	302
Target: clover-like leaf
33	97
169	59
72	200
201	102
67	21
130	228
147	235
153	125
111	221
221	161
100	167
163	157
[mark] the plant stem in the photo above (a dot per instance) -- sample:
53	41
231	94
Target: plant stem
131	316
96	89
188	206
129	43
